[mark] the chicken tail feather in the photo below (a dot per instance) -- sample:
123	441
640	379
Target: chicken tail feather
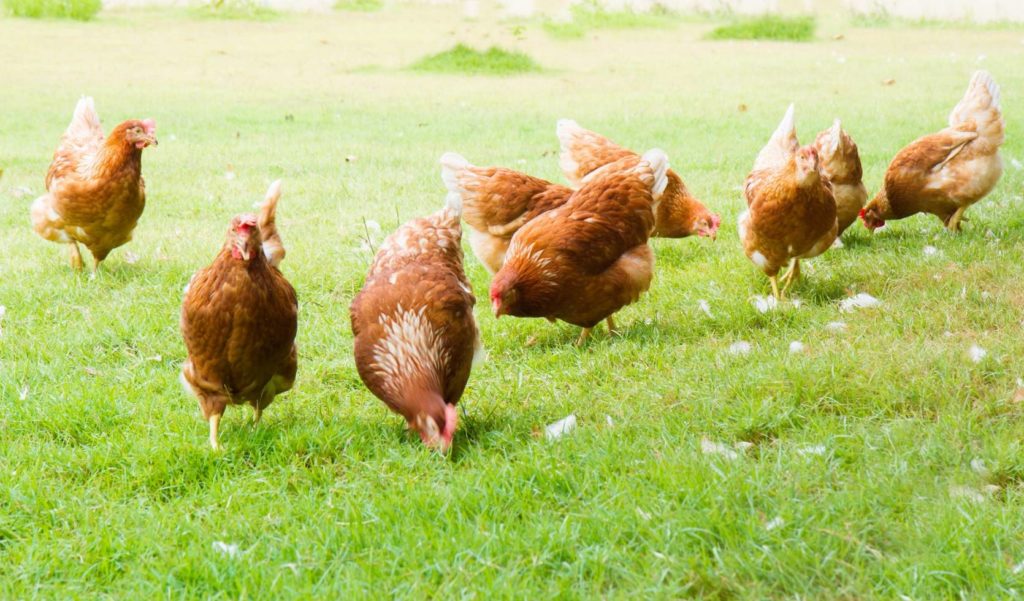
658	161
781	145
981	105
273	247
453	167
85	121
46	221
570	137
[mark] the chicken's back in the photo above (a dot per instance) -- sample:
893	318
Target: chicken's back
585	153
496	202
587	259
415	332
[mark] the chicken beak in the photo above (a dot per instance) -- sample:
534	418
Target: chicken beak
242	246
496	307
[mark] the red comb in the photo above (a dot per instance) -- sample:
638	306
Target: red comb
150	126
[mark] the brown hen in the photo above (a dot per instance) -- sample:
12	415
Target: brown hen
95	193
946	172
840	163
496	202
679	213
415	335
587	259
791	212
239	320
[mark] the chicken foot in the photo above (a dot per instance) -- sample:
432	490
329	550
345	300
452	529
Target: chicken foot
774	279
953	223
585	334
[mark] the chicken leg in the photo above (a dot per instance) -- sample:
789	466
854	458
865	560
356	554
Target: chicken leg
791	276
612	329
774	279
257	413
953	224
584	335
214	426
76	256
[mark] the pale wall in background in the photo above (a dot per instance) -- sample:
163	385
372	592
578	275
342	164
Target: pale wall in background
982	11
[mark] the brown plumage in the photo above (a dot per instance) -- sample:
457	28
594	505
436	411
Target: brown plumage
95	193
679	213
840	163
791	212
496	202
239	320
946	172
587	259
415	335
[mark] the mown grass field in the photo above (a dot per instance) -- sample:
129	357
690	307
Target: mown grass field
884	461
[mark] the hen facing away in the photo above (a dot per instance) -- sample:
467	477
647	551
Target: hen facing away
840	163
679	213
415	334
95	193
791	212
496	202
587	259
946	172
239	320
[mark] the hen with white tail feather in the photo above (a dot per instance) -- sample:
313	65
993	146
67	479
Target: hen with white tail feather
239	320
840	163
587	259
95	193
415	334
946	172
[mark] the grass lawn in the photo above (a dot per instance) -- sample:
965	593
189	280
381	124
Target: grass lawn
883	461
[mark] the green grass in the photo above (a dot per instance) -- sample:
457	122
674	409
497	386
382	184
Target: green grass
466	60
362	6
78	10
589	16
767	27
863	481
882	19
